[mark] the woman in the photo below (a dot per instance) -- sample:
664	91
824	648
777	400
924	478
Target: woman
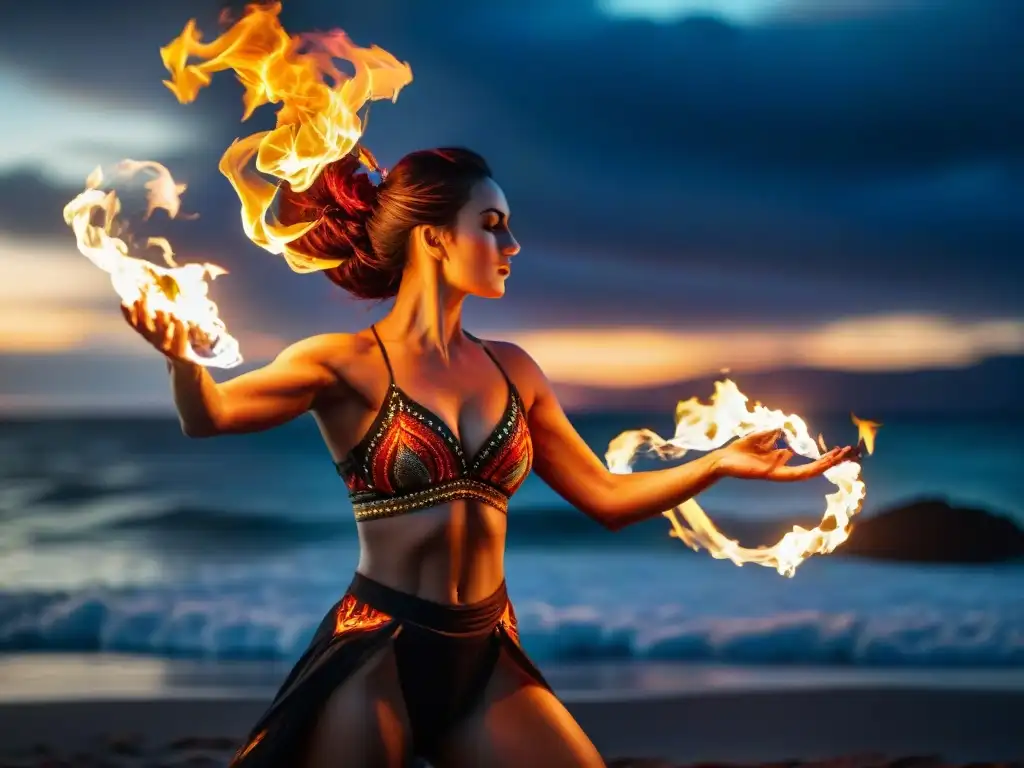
432	431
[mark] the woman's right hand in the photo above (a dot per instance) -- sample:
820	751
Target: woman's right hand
166	333
755	457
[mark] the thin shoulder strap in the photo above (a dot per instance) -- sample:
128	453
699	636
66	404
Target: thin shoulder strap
384	352
490	354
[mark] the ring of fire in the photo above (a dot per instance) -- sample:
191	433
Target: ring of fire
707	426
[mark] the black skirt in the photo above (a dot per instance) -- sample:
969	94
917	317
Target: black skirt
445	656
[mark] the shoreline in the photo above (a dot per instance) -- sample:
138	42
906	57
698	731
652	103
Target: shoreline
54	676
671	712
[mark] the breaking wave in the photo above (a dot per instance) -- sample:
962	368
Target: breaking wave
163	622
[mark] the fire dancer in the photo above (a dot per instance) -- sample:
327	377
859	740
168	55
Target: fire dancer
432	430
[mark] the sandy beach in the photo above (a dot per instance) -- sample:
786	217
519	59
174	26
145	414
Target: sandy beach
128	712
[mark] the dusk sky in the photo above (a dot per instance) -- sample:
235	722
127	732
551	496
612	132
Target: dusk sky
696	185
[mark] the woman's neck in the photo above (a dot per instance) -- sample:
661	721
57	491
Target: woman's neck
427	314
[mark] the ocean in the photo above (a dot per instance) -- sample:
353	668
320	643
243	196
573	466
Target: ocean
126	536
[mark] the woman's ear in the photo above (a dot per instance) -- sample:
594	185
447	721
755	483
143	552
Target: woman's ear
433	242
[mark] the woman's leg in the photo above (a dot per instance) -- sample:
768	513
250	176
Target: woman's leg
518	723
364	722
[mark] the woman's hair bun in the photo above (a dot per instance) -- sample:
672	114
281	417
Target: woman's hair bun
342	197
367	226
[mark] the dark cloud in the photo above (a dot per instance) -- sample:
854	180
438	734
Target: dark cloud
872	94
688	172
32	202
875	94
102	47
31	206
883	149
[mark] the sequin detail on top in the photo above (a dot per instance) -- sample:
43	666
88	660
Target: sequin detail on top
410	459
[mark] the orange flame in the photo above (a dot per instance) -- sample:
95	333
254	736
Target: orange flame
866	431
317	121
705	427
179	290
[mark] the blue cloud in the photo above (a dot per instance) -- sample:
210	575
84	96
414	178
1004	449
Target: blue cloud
675	172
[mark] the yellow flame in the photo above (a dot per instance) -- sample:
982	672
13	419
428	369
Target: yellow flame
179	290
866	431
165	249
163	191
317	121
705	427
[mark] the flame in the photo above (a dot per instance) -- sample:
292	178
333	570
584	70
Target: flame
866	431
163	191
165	248
317	121
705	427
179	290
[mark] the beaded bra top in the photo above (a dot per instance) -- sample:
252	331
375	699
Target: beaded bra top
411	460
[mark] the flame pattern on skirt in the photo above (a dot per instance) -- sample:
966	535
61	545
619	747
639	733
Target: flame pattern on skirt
348	634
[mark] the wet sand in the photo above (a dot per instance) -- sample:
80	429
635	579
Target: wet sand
129	712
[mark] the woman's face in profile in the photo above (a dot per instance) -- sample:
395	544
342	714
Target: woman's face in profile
480	246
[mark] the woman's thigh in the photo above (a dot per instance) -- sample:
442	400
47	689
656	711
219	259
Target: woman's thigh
364	722
517	723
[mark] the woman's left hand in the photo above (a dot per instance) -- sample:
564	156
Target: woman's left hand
755	457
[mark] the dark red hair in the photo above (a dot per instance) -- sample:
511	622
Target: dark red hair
368	225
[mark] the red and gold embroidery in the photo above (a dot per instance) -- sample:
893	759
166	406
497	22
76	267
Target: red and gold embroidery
511	461
371	507
411	455
412	461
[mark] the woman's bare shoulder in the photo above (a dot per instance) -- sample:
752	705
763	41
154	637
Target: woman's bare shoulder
346	354
524	371
509	352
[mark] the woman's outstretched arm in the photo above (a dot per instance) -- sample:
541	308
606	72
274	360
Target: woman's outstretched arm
254	401
566	463
261	399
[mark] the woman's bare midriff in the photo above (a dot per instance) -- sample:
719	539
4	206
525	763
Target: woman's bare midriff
451	554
